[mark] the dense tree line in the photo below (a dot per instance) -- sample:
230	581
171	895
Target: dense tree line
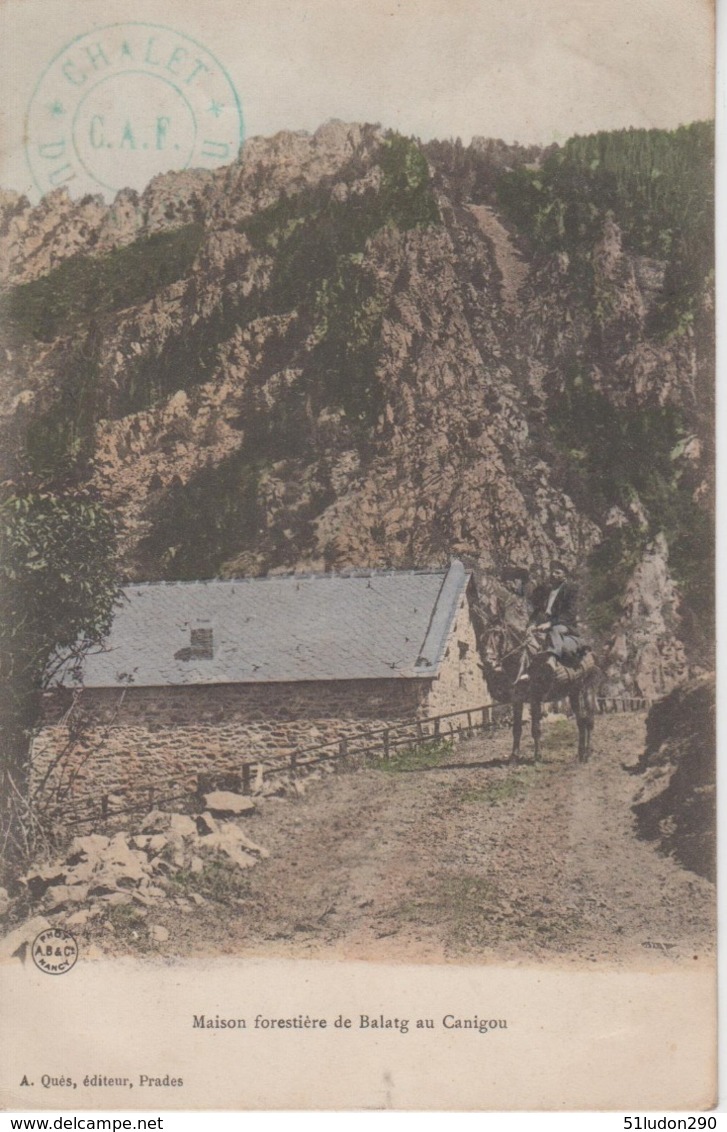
657	184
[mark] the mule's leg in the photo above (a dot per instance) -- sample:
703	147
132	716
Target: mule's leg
517	727
588	702
535	712
582	709
577	709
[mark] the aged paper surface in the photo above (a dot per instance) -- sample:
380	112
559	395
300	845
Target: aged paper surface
426	374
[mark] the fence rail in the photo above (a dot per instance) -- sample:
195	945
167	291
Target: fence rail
383	742
609	704
70	811
380	743
444	726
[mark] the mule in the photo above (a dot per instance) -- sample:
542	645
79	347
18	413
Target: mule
545	685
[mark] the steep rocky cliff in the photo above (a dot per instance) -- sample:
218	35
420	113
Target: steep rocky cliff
675	803
340	351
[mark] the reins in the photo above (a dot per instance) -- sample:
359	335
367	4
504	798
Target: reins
502	628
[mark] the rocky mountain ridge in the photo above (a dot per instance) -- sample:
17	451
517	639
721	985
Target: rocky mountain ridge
356	365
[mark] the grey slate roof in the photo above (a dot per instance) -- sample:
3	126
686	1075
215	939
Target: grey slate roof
326	627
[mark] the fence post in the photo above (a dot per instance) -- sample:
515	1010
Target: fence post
343	749
104	805
387	753
436	727
246	778
420	733
294	762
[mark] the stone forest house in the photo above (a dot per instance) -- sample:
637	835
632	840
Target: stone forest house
199	677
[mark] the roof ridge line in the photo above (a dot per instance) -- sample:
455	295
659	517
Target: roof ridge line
315	576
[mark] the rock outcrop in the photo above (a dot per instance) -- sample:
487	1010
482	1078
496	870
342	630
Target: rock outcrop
646	656
676	803
165	864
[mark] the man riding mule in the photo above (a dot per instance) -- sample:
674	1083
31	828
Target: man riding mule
541	659
555	614
561	616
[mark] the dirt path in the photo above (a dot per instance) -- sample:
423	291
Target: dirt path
476	859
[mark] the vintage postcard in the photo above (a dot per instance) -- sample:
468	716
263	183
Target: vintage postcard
357	555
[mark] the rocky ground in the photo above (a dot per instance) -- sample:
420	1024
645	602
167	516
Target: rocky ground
456	855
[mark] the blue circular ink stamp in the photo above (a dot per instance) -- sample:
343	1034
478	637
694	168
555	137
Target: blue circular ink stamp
123	103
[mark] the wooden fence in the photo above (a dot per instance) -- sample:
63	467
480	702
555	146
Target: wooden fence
609	704
95	809
383	742
375	744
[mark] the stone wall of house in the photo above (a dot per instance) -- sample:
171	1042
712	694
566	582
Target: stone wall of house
130	741
135	740
460	684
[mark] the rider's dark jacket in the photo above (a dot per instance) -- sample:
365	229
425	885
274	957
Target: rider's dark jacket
565	606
